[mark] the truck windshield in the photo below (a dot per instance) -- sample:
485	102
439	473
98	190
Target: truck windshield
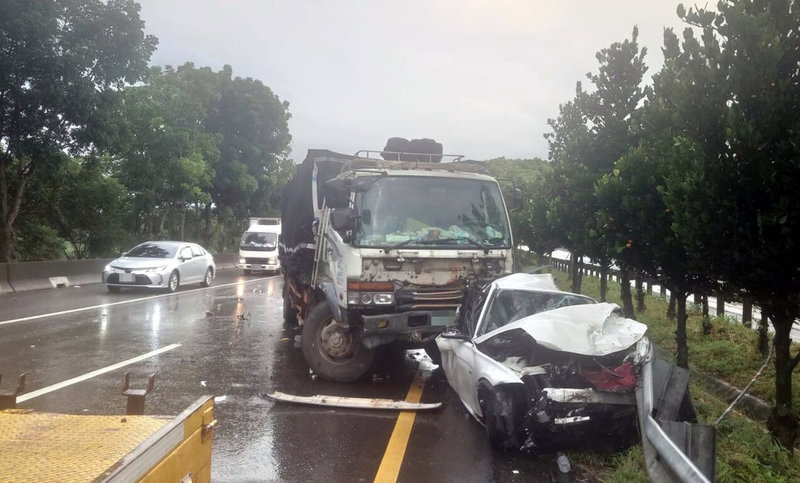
258	241
433	212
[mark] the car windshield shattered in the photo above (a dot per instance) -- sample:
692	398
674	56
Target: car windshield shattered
259	241
509	305
152	250
452	212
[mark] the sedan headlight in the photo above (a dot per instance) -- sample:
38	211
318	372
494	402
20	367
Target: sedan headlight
155	269
107	268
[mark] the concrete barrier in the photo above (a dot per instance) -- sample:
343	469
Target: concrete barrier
25	276
5	287
52	274
226	260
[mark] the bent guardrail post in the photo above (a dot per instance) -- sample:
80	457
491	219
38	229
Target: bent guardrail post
664	460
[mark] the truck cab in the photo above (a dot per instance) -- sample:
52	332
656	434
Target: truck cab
258	249
395	244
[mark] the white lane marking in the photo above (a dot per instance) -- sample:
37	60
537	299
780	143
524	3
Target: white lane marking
81	309
75	380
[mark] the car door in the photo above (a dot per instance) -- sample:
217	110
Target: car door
200	261
187	267
460	358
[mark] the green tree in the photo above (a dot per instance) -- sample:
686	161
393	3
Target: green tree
61	63
165	153
740	204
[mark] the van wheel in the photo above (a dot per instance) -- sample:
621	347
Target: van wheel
330	350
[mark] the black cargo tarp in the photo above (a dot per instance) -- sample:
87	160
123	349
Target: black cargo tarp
297	212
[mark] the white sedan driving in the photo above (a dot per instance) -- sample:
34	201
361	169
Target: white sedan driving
160	264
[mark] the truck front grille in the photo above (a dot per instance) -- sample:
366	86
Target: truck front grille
429	298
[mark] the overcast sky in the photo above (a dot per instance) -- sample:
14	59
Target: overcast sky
481	77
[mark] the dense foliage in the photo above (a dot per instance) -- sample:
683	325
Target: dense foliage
98	152
693	180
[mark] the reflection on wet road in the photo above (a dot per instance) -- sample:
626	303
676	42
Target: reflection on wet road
232	346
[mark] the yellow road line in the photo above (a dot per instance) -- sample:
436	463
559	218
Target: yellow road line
396	449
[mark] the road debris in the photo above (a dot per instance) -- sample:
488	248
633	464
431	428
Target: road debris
353	402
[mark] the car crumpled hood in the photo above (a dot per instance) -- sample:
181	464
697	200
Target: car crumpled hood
590	329
137	262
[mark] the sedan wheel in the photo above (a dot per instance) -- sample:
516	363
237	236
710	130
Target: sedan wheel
174	282
208	278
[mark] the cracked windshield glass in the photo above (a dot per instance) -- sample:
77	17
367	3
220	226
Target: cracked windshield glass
431	211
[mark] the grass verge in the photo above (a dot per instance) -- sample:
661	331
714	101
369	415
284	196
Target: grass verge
745	451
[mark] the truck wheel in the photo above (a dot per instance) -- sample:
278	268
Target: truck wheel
289	312
330	351
247	271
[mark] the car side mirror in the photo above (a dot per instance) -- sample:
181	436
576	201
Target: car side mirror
123	254
457	335
344	219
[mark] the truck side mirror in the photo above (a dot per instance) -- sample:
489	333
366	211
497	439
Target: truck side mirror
343	219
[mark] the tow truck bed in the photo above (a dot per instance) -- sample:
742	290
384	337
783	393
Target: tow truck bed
64	447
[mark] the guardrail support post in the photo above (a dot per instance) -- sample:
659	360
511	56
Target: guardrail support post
720	304
136	397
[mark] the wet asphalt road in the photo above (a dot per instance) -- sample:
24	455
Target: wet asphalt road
232	346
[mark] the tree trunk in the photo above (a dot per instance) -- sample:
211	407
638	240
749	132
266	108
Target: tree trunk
763	333
782	422
671	309
183	223
747	311
576	274
603	281
5	244
207	227
706	318
639	295
625	294
680	331
9	208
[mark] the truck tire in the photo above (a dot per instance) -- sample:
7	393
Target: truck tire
329	351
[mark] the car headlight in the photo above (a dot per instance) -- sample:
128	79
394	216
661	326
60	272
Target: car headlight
241	260
641	351
107	268
155	269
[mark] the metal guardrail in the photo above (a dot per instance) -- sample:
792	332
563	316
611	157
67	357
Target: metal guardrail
678	463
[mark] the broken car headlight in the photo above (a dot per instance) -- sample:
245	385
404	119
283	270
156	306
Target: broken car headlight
640	351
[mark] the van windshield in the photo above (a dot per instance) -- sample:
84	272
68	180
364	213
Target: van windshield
259	241
434	212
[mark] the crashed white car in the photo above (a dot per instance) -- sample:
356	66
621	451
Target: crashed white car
537	365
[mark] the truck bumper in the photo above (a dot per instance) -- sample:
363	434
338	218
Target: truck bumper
415	326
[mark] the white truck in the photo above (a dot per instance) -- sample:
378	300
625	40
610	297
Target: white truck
258	250
379	251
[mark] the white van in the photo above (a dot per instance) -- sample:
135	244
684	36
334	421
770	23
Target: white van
258	249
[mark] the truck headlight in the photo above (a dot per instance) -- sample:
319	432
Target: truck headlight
383	298
241	260
369	298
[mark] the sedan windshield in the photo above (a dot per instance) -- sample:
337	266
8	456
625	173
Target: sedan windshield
153	250
510	305
433	212
259	241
